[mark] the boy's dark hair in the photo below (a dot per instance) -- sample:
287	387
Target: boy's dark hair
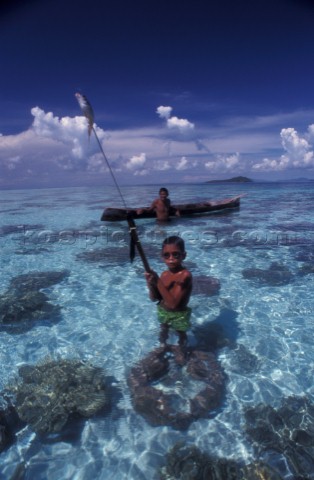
174	240
163	189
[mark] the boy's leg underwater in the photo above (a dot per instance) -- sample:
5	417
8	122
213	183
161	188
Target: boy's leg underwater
183	338
164	333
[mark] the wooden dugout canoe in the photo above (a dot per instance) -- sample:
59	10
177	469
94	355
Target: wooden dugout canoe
118	214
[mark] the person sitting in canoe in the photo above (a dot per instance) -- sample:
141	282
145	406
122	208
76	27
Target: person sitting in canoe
161	206
172	290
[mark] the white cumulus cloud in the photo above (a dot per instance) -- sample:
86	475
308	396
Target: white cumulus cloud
161	165
164	112
136	162
57	150
182	164
180	124
224	163
298	152
71	132
141	173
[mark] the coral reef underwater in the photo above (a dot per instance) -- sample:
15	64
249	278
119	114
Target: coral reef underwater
287	431
160	407
276	275
23	304
49	394
187	462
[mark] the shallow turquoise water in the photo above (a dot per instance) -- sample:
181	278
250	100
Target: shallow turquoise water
108	319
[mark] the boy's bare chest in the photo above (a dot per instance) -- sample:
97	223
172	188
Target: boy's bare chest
161	205
172	279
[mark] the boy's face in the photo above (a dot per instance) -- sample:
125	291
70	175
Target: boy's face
163	195
173	256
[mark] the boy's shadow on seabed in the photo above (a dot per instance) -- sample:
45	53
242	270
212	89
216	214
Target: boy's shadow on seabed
218	333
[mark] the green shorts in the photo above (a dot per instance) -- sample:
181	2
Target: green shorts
177	320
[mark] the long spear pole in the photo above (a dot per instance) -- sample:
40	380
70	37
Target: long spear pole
89	114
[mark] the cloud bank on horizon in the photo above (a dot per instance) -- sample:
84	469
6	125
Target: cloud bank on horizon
57	151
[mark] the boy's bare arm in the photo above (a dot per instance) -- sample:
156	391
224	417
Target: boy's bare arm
146	209
152	279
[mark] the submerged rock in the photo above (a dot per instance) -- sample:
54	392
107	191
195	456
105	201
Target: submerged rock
32	251
260	471
274	276
243	361
164	404
23	303
37	280
288	430
10	229
51	393
306	269
305	254
187	462
115	256
9	425
120	255
29	306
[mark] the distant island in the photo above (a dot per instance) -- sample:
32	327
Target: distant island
232	180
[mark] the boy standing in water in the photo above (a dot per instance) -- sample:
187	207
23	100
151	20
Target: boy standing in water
161	206
172	290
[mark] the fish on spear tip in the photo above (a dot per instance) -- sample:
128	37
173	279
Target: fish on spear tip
89	114
87	110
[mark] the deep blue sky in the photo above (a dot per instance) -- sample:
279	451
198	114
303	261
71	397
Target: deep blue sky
238	76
